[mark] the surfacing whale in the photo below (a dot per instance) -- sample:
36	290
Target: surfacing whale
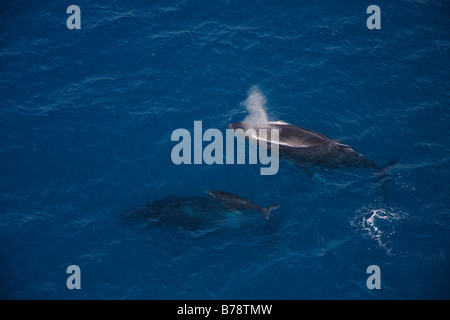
303	146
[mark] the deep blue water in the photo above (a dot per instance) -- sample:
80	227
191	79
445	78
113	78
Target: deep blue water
86	118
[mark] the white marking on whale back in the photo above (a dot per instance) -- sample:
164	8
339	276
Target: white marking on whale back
278	122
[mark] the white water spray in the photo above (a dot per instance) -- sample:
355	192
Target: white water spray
255	105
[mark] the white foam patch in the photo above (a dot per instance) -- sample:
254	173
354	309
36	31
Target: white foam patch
401	234
379	224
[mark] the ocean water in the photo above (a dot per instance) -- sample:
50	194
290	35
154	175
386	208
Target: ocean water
86	118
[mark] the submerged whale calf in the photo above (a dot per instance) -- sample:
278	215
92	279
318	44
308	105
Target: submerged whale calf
239	203
304	147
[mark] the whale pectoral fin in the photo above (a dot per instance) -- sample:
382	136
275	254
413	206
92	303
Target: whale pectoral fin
318	178
307	169
234	210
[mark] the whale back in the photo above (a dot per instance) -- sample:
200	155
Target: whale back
307	146
288	135
298	137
